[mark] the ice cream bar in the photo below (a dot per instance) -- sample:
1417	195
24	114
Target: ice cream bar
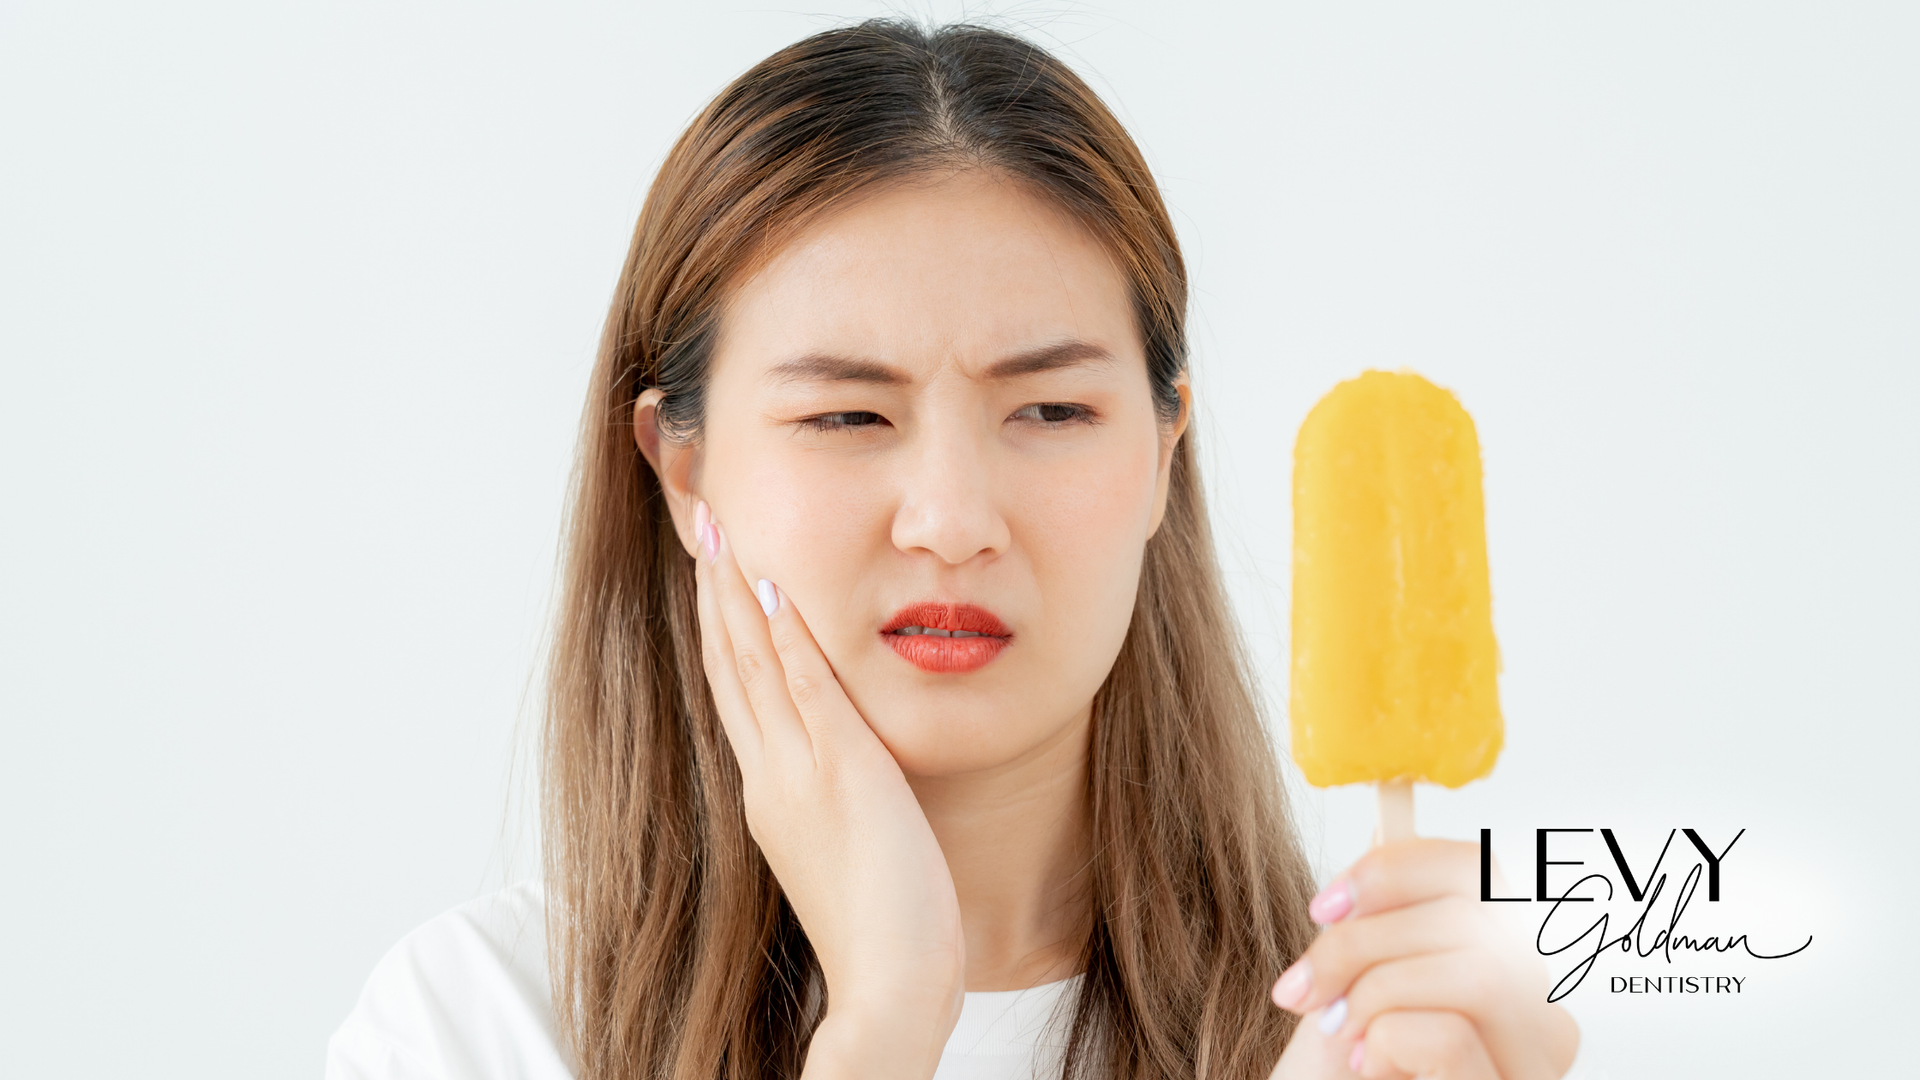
1393	651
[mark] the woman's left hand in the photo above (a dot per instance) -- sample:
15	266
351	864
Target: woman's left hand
1415	976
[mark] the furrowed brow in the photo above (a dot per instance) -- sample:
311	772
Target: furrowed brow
1049	358
825	367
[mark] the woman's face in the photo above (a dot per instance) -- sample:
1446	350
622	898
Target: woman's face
930	412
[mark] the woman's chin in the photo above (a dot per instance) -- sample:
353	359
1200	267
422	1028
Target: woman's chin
928	760
1008	712
936	744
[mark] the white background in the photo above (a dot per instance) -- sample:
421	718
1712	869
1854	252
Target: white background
299	304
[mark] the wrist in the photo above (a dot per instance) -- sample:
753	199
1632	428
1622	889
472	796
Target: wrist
855	1042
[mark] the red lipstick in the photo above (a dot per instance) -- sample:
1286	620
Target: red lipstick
946	638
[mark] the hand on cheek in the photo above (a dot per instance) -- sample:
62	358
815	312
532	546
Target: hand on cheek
1412	977
837	823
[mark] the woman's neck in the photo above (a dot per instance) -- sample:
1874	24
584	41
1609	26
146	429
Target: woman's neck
1017	841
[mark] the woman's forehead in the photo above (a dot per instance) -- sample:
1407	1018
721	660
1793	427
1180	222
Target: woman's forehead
973	268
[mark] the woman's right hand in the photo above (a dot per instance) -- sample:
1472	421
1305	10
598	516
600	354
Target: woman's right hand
839	826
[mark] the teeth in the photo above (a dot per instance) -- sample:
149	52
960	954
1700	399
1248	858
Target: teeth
933	631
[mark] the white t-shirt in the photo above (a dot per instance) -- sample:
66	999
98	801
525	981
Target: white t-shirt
466	997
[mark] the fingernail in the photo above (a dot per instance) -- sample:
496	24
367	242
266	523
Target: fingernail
1333	903
1335	1015
713	542
1294	983
1358	1057
701	515
769	596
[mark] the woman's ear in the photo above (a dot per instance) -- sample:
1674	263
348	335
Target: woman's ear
1169	439
673	462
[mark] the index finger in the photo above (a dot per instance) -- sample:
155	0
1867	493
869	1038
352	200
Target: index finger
716	649
1397	874
756	668
829	715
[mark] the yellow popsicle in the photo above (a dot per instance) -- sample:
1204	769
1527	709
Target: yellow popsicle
1393	651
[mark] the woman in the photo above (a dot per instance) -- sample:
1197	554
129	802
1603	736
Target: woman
895	698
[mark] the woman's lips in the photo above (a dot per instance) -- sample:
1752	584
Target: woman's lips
946	638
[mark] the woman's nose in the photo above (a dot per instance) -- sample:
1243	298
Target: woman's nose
947	506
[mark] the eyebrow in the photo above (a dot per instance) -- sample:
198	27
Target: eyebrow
828	367
1049	358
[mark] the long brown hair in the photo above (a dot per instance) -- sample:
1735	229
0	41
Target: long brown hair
674	952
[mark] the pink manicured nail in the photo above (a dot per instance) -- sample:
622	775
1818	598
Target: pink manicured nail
1333	903
1292	988
713	542
701	515
769	597
1358	1057
1334	1016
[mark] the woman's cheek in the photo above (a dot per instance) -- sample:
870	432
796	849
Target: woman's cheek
809	527
1086	538
1098	502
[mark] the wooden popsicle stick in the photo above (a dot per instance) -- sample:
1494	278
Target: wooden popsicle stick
1396	812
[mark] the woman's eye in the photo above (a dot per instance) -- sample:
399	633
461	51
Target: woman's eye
840	421
1053	412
